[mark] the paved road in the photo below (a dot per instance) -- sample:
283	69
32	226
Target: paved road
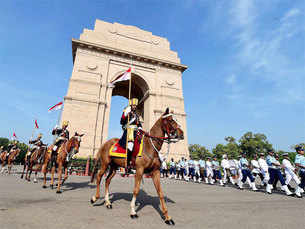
26	205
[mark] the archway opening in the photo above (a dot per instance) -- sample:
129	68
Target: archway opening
119	100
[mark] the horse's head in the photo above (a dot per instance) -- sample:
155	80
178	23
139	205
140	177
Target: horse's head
171	127
74	142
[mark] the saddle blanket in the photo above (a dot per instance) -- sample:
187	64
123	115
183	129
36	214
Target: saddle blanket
117	150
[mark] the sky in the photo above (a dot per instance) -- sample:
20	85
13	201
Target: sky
246	63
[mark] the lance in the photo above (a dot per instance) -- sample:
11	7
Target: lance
127	126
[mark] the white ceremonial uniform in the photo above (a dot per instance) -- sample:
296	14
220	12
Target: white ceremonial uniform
225	165
255	165
209	171
264	169
197	170
289	172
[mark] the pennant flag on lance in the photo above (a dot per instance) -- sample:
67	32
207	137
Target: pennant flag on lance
14	135
36	124
126	76
57	106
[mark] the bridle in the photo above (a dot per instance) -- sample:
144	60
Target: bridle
168	129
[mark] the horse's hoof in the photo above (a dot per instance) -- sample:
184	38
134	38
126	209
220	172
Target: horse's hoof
51	186
93	199
58	192
109	206
44	186
170	222
134	216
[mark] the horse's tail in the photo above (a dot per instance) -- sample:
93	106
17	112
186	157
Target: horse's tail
95	168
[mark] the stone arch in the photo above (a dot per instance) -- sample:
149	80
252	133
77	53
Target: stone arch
100	55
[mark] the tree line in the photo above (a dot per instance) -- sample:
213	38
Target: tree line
22	146
250	143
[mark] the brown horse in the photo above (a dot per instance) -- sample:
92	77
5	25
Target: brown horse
30	162
68	147
10	159
149	162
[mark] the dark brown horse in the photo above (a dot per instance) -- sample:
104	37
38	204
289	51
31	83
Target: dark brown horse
31	161
149	162
68	147
10	159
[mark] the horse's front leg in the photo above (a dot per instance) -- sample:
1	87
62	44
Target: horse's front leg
52	176
156	180
59	177
138	178
35	179
66	175
23	170
9	167
44	170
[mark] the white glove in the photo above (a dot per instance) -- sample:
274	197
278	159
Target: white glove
127	110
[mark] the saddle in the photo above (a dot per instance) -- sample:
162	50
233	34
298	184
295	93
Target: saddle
117	150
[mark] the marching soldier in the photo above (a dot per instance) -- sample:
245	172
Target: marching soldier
130	128
263	168
216	170
289	171
246	173
209	171
225	164
274	169
300	163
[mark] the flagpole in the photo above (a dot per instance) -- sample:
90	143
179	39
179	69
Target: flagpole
127	127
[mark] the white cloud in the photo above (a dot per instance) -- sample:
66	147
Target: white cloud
231	79
265	51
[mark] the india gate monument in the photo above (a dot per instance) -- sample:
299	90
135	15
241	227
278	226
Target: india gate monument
102	54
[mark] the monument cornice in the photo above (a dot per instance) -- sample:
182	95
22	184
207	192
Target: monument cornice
118	52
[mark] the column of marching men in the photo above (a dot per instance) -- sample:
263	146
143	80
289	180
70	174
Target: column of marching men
265	171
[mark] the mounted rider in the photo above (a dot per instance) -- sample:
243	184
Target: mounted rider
62	135
37	143
130	128
10	148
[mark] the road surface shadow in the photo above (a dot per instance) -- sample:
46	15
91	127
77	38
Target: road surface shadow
143	199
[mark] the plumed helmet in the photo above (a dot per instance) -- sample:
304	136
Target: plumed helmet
15	141
39	135
65	123
134	101
224	156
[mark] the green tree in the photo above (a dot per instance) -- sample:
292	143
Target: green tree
254	144
4	142
219	150
198	152
232	148
23	149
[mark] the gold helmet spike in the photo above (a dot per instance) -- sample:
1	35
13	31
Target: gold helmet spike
65	123
133	101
